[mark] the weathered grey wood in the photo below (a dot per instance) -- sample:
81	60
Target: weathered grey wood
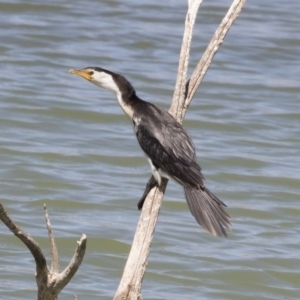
131	282
130	285
63	278
49	282
180	87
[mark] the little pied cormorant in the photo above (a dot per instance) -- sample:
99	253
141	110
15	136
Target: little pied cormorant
170	151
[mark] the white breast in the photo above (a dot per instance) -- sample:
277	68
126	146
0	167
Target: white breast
158	174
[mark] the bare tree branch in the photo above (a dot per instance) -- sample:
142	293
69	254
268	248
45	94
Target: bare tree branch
130	285
179	92
50	283
64	277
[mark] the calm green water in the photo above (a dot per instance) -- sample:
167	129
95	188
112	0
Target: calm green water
67	143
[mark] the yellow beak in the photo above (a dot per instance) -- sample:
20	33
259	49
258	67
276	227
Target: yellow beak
83	73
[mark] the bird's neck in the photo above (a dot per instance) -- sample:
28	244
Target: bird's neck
124	92
129	102
126	96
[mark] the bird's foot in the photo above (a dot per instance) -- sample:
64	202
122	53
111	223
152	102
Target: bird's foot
150	184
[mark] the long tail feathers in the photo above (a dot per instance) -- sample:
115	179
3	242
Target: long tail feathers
208	210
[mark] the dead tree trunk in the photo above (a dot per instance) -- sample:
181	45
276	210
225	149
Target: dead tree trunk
131	282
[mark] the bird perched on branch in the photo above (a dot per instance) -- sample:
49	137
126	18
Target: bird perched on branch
170	151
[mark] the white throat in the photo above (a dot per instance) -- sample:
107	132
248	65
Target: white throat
107	82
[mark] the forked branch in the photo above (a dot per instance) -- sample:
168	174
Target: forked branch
49	282
130	285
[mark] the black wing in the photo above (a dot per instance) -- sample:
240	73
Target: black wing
167	144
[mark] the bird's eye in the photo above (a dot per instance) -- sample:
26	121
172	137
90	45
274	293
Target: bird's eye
91	73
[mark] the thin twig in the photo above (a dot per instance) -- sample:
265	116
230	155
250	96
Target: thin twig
54	252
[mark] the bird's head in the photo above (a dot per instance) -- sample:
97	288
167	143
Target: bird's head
113	82
100	77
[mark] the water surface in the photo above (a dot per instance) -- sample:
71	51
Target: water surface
66	143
